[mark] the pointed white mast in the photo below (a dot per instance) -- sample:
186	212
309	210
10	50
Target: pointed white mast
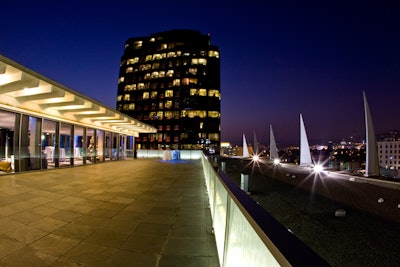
255	150
305	155
372	165
245	148
273	150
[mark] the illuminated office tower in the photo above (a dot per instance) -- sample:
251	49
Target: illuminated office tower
171	80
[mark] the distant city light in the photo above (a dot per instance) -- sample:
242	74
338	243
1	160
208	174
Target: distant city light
318	168
277	161
256	158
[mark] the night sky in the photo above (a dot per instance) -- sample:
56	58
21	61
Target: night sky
277	59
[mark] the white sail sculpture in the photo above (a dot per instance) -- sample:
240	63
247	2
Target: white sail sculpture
305	155
245	148
372	164
255	150
273	150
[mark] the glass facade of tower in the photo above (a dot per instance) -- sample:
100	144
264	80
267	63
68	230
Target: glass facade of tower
171	81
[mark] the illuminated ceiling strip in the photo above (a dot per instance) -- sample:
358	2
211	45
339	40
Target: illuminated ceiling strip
25	91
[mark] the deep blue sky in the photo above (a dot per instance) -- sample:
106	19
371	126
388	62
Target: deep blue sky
277	59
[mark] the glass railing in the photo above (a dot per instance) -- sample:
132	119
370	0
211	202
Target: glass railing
169	154
245	234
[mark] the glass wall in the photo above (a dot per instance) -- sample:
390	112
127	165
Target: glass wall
49	138
108	146
78	145
66	143
34	143
7	125
91	146
100	146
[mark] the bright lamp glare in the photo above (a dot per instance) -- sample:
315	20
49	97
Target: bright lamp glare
256	158
276	161
318	168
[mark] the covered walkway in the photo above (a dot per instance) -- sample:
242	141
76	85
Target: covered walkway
143	212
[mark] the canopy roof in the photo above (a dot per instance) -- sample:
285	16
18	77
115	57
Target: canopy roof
23	90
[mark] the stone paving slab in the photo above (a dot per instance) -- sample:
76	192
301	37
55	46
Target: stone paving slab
142	212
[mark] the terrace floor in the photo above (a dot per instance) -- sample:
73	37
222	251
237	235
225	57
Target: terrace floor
142	212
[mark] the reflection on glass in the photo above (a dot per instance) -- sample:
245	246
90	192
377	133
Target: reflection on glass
49	142
91	146
7	124
65	144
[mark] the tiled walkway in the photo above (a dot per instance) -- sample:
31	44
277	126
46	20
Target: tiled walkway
142	212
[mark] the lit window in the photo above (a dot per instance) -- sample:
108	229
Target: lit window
146	95
213	54
152	39
193	113
131	106
202	92
149	57
202	61
128	87
162	74
155	75
125	107
171	54
170	73
192	81
153	94
168	104
133	60
127	97
177	82
169	93
147	76
169	114
130	69
201	125
148	67
213	114
164	46
185	81
178	53
156	66
137	44
156	56
160	115
193	91
140	86
119	97
161	105
213	136
121	79
193	71
214	93
199	61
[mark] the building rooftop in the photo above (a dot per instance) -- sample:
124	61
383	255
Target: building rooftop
147	211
